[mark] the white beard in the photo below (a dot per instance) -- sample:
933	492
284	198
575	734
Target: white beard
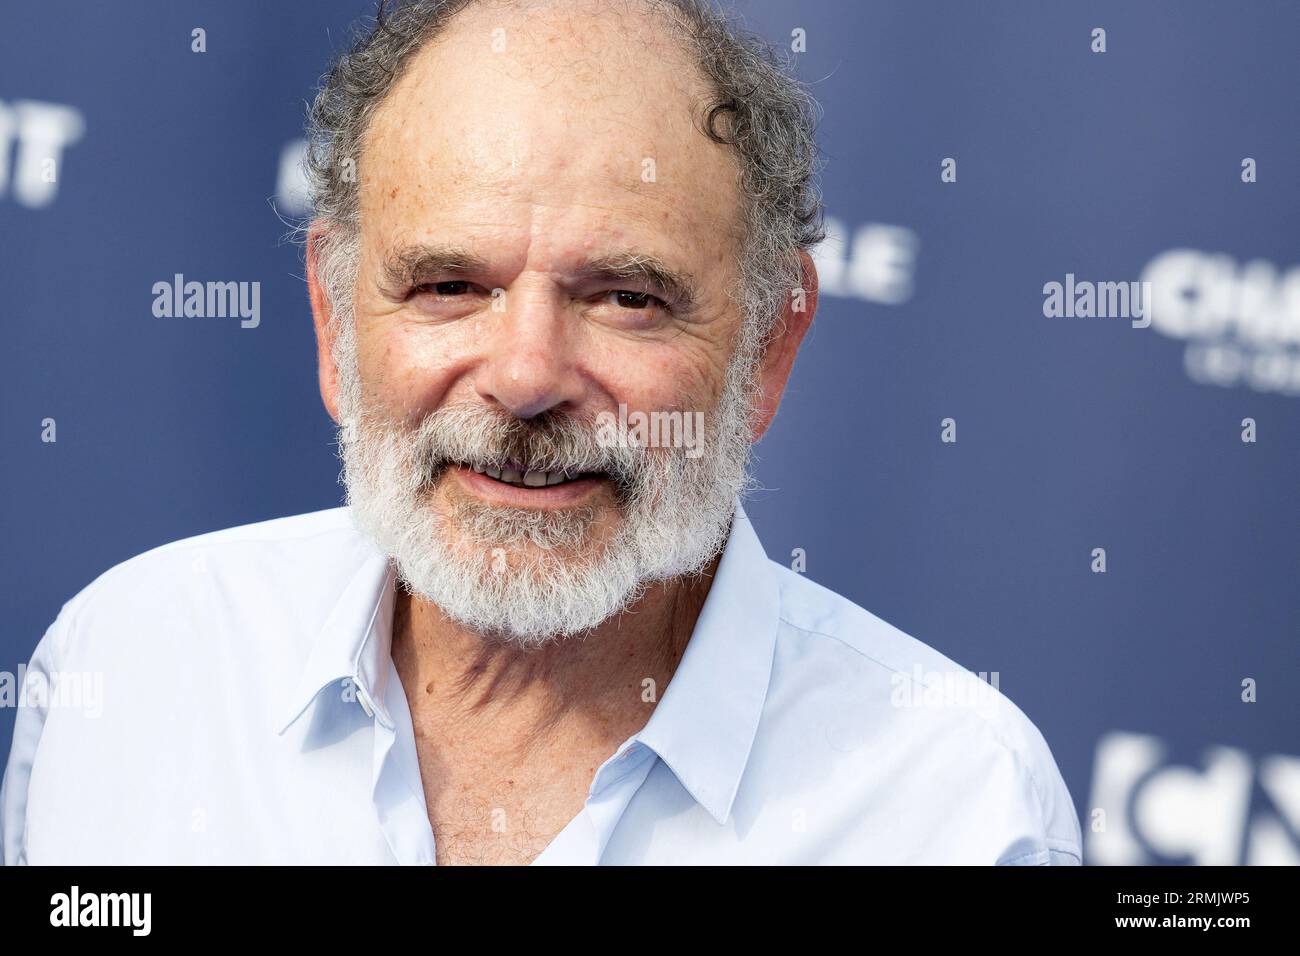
527	576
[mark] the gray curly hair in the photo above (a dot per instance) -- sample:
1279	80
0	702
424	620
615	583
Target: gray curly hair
766	116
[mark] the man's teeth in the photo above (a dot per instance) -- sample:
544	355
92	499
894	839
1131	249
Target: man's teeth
528	479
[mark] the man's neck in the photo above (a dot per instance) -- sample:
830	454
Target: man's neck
601	686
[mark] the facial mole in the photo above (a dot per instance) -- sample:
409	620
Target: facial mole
393	194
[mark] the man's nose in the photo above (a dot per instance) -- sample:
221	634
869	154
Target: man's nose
529	366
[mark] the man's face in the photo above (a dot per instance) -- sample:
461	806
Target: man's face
545	237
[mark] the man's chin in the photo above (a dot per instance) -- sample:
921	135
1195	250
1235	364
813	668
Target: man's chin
516	590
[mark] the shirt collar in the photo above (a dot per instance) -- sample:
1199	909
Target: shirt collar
354	643
703	728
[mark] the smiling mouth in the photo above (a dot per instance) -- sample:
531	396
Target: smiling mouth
521	476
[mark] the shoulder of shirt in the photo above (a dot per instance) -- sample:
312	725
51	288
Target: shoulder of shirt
302	532
822	615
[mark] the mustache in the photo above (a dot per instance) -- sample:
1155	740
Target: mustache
478	436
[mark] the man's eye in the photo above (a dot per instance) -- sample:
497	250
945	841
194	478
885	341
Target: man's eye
452	287
636	300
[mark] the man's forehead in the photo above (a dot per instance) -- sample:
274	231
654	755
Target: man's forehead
471	130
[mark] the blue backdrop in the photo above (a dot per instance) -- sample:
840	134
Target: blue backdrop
975	153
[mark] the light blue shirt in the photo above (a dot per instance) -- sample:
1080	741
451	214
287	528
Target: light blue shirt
251	713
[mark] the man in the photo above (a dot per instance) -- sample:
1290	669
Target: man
559	271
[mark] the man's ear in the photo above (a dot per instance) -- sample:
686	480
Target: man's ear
322	313
778	358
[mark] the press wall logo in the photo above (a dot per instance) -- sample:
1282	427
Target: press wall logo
876	263
292	190
1241	321
33	136
1148	808
75	908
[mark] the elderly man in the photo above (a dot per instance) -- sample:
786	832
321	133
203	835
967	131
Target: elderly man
559	271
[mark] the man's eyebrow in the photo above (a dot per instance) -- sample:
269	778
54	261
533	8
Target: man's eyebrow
647	272
412	265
